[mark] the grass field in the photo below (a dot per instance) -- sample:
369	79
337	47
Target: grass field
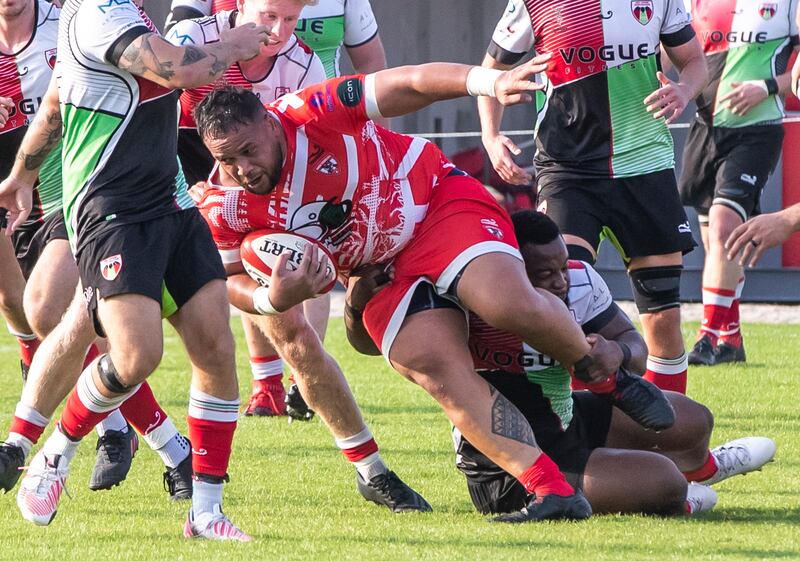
294	492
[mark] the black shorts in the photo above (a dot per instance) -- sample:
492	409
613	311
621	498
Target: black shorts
30	241
640	215
175	251
493	490
728	166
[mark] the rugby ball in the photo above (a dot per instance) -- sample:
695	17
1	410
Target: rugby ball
260	251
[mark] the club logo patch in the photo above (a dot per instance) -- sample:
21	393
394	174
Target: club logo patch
110	267
50	57
642	11
767	10
491	226
328	166
350	92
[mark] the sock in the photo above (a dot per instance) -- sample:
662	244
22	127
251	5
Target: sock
212	422
27	427
730	333
716	306
264	367
142	410
668	373
28	343
604	387
59	444
362	451
704	472
114	421
91	354
544	478
205	495
86	406
171	446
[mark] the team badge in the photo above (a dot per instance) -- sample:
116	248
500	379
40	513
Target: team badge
328	166
110	267
642	10
491	226
767	10
281	90
50	56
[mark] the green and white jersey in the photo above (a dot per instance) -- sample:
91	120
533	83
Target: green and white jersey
119	149
743	40
329	24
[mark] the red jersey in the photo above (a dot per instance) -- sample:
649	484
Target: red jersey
359	189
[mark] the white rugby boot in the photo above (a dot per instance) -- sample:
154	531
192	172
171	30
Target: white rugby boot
213	526
699	498
741	456
41	488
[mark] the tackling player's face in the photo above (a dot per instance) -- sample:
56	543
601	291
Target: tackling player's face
252	154
14	8
546	265
280	16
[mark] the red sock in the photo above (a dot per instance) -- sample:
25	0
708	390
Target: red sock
716	306
358	453
77	420
27	348
667	373
28	423
606	386
544	478
731	334
211	446
142	410
704	472
91	354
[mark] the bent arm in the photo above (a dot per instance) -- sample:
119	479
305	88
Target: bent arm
619	329
690	62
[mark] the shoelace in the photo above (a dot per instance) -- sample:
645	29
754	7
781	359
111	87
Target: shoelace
112	443
47	474
729	457
385	483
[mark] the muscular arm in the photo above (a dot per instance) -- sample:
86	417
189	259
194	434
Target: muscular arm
357	334
619	329
369	57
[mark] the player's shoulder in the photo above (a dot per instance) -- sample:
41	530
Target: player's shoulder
324	8
297	51
47	12
199	31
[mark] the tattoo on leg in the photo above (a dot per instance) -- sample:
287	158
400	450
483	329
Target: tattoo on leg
509	422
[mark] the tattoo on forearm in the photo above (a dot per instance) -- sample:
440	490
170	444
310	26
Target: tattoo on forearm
50	135
217	66
508	421
192	54
138	59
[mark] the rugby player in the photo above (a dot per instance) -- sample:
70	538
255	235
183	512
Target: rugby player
51	273
604	156
733	146
132	235
600	450
284	65
396	198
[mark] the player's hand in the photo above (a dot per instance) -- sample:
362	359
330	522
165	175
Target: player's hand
607	354
750	240
513	86
744	96
364	283
500	149
599	361
17	198
6	106
669	101
197	191
289	286
248	38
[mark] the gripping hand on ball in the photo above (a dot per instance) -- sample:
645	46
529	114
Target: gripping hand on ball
289	286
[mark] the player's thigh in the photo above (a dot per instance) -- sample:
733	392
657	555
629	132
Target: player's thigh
576	206
51	286
631	481
12	283
699	168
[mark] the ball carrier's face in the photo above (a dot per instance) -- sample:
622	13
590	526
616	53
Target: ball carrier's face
547	266
252	154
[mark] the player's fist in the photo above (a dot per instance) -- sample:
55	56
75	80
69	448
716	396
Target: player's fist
6	106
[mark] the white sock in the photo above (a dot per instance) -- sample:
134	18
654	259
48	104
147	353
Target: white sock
367	467
59	444
205	496
31	415
168	443
266	367
115	421
16	439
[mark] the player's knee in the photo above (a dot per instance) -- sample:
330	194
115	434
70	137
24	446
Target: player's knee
111	378
656	289
135	364
668	497
42	315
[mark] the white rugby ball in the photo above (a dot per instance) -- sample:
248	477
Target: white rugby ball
260	251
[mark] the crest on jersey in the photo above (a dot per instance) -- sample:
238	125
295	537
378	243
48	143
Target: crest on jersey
50	57
491	226
281	90
767	10
642	10
111	266
328	166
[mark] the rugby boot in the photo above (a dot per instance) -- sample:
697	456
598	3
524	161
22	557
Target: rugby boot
702	354
178	480
268	399
40	490
550	507
296	406
741	456
12	458
213	526
726	352
390	491
115	452
699	498
642	401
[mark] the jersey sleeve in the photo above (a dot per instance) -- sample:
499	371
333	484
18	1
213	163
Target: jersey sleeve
216	207
794	33
338	104
360	25
513	37
203	7
676	28
601	299
187	32
105	29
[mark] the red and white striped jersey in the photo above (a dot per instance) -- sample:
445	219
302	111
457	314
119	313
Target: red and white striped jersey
359	189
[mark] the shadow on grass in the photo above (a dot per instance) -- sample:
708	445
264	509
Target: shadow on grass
755	515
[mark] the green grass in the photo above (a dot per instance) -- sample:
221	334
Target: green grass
296	494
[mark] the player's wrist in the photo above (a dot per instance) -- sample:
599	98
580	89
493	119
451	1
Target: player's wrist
772	87
262	303
482	81
626	353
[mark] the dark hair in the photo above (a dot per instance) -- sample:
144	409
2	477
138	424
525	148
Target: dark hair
534	227
225	109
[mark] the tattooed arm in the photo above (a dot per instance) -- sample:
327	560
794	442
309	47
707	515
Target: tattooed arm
43	134
156	59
